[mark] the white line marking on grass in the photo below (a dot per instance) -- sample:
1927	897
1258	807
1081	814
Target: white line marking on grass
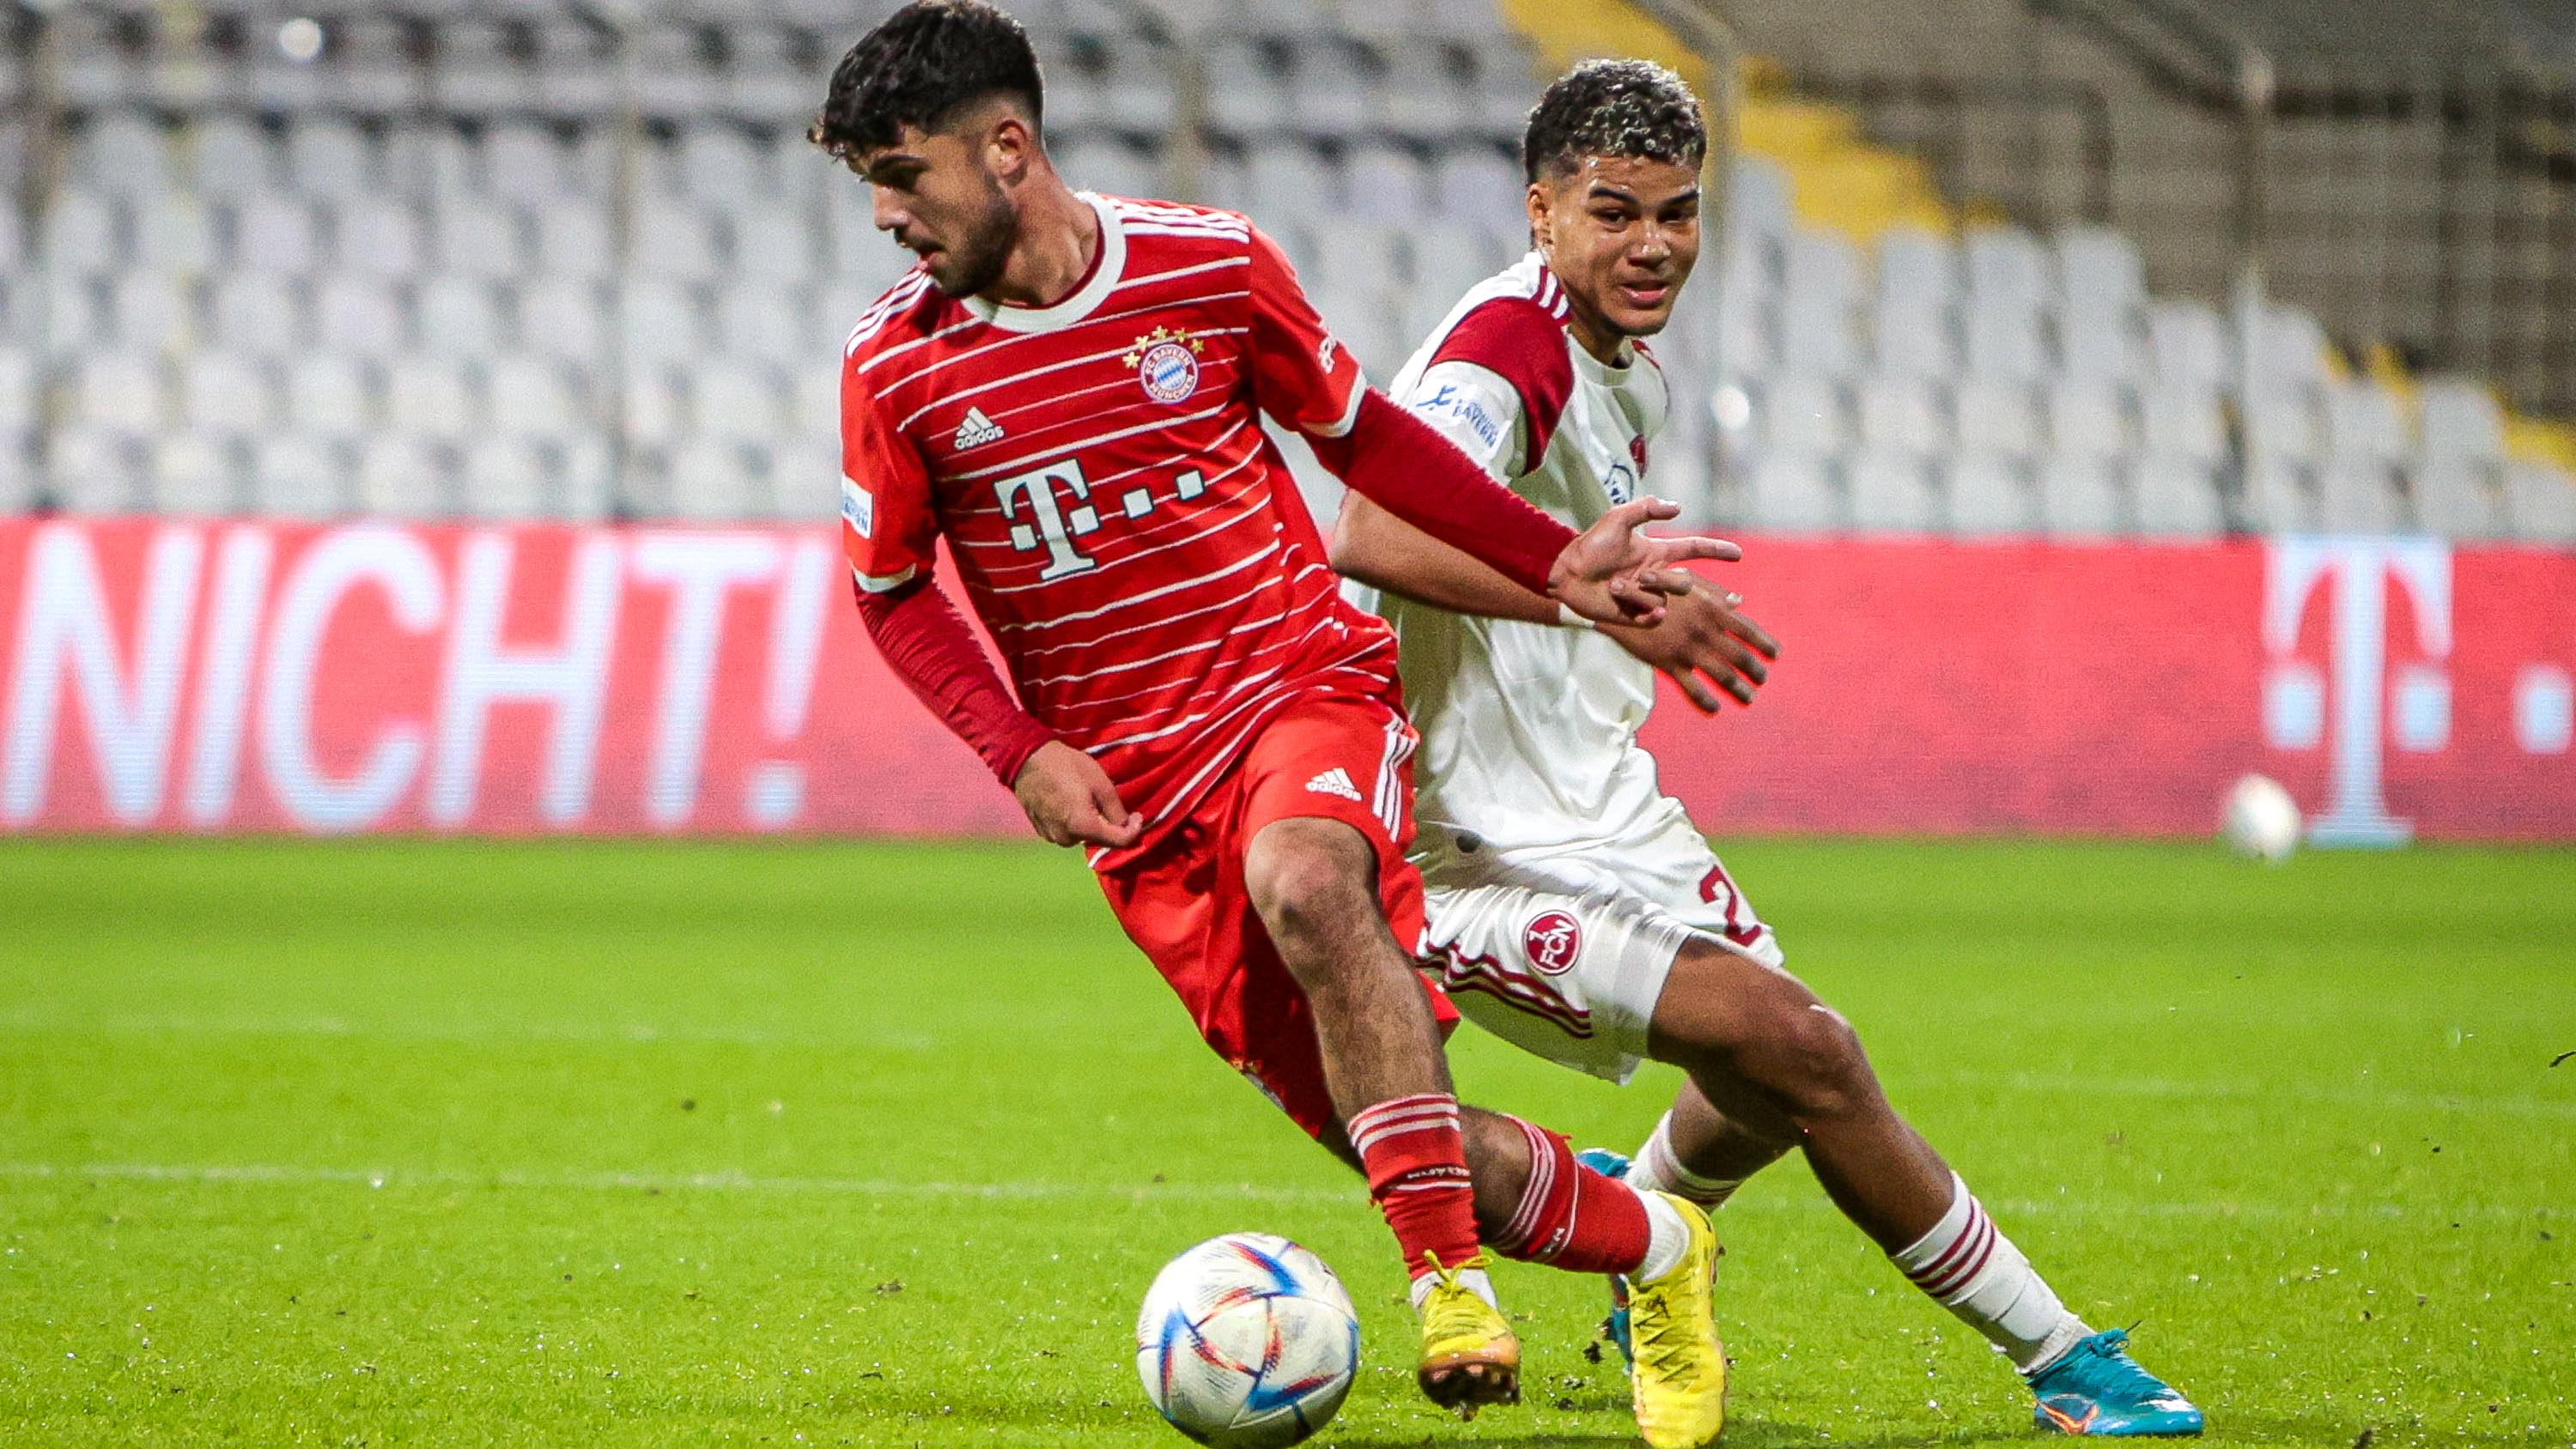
632	1033
2252	1094
298	1175
290	1174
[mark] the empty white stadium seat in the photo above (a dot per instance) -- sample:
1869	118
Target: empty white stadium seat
2087	420
379	236
329	395
357	315
733	402
478	239
223	393
503	478
2541	501
1986	494
2081	497
118	391
2363	424
2187	343
429	397
1802	414
2183	423
1997	418
94	470
1901	415
534	397
2006	266
196	475
2280	497
1792	492
401	478
2458	497
2460	421
2002	340
1889	493
1385	184
300	477
327	156
564	317
710	478
458	317
2175	496
152	312
2356	495
574	241
275	233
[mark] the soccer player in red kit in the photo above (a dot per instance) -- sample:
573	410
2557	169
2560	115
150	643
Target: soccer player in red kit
1068	389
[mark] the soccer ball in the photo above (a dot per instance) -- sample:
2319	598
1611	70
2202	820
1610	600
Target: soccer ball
1247	1342
2261	821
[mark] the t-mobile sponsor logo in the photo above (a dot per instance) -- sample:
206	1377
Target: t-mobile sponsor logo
2372	704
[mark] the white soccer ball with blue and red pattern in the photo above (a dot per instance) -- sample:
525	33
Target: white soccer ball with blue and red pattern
1247	1342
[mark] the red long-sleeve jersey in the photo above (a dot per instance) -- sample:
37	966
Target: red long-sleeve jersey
1124	528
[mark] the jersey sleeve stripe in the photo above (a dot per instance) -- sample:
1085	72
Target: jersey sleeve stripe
883	583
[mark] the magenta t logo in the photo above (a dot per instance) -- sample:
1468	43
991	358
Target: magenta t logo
2370	708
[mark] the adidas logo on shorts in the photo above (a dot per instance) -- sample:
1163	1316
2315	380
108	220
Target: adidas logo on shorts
976	431
1335	781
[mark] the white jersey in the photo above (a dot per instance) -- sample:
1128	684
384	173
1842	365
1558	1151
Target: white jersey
1529	731
1561	881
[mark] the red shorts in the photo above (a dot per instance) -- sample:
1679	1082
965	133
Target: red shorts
1185	904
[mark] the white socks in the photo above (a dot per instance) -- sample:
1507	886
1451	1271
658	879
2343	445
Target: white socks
1667	1237
1975	1271
1657	1169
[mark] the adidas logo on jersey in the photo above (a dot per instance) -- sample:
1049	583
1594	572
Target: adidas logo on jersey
1335	781
976	431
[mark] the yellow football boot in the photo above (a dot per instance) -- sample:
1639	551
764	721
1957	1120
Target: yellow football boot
1469	1356
1679	1382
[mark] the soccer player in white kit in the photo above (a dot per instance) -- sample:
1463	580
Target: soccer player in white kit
1575	909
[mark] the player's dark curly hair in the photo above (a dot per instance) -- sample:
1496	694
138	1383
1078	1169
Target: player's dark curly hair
927	62
1632	108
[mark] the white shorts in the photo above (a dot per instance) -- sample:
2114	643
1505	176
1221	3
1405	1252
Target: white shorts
1565	955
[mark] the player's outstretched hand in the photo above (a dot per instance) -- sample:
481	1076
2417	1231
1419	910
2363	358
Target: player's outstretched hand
1704	639
1070	800
1615	574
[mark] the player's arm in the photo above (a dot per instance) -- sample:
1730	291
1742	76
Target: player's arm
888	531
1610	571
1702	640
1477	411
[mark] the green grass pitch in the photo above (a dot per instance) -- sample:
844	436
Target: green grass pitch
648	1144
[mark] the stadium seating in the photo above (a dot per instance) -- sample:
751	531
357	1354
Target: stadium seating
393	279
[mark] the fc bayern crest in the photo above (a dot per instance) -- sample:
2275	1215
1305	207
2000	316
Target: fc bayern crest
1167	364
1552	941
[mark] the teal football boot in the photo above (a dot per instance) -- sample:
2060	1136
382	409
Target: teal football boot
2096	1388
1615	1327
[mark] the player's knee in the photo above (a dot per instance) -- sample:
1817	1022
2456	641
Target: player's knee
1822	1071
1308	878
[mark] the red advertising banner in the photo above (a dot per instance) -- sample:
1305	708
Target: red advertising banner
245	676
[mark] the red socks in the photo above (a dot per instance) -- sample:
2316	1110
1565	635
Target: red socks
1572	1217
1417	1176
